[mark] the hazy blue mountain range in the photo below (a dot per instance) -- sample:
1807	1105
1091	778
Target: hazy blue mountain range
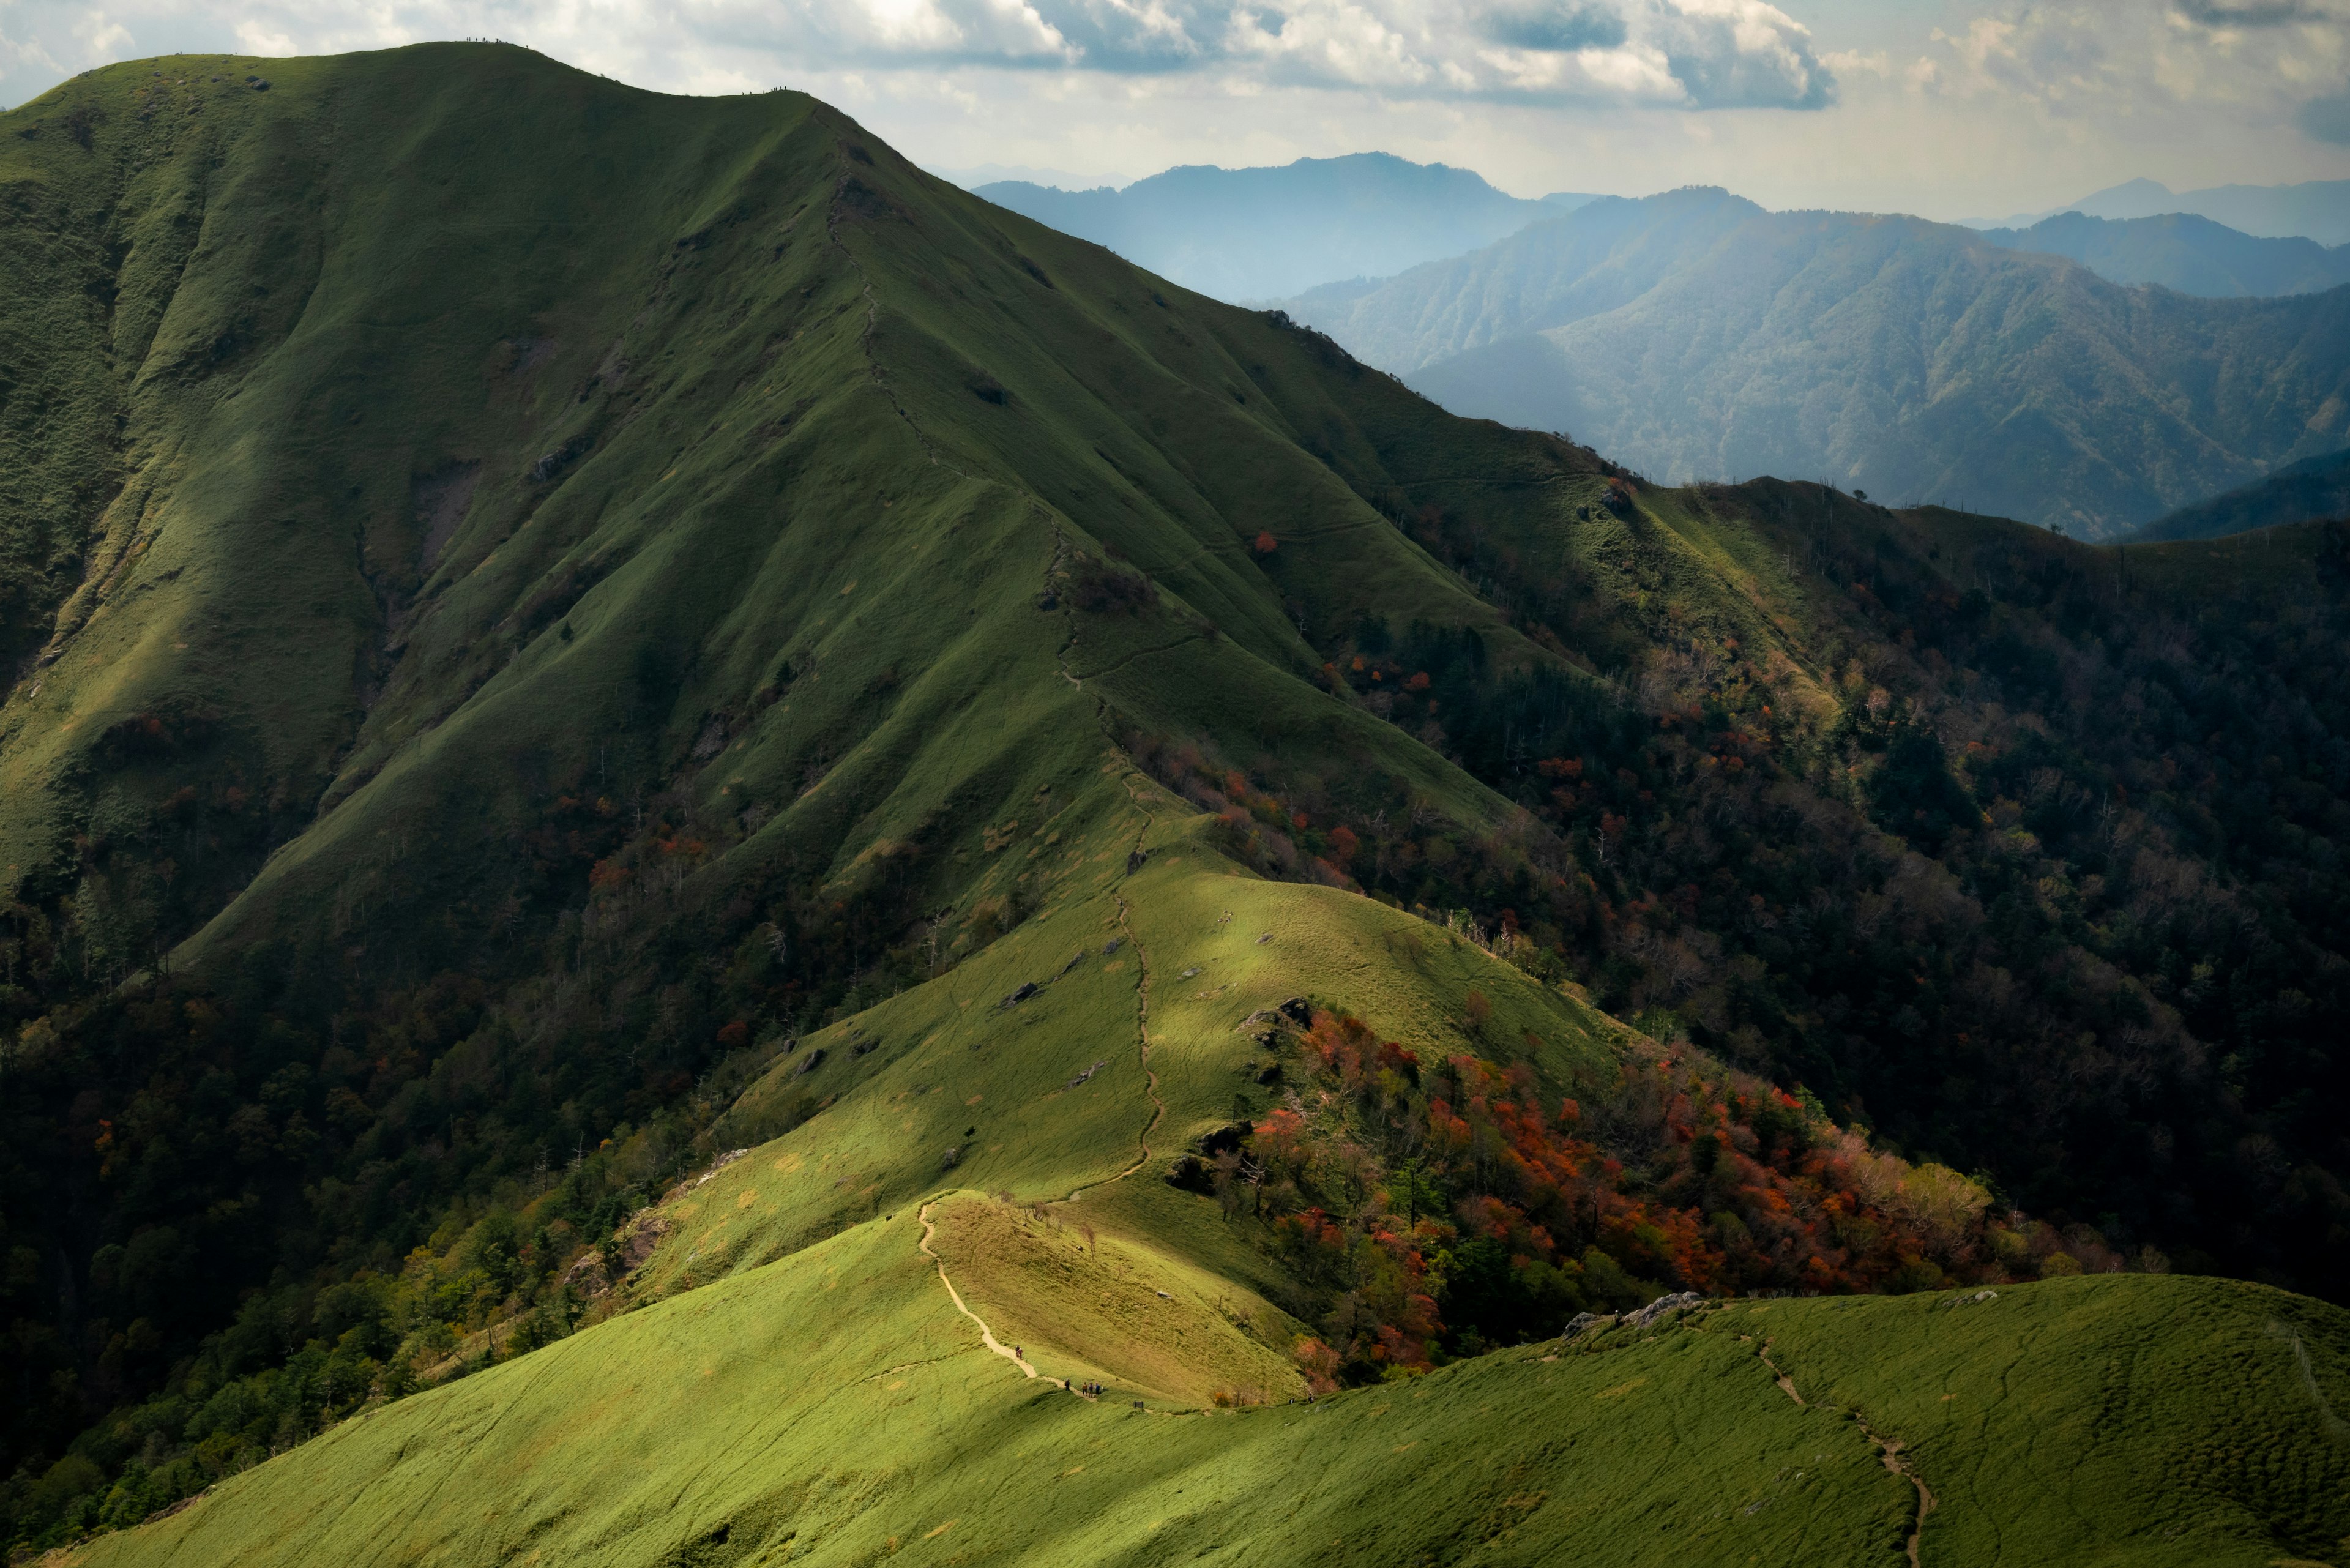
2316	208
1267	234
2181	251
2315	487
1698	336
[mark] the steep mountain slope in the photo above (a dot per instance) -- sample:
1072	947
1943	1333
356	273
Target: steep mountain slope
1267	234
2312	488
2180	251
498	590
1693	335
647	721
1959	897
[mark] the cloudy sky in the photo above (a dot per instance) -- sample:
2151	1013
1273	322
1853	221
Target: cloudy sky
1949	108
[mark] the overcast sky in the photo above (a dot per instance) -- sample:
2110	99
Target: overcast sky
1948	108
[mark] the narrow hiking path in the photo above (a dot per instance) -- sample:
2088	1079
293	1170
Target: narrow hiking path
986	1334
1888	1449
1787	1384
1134	860
1142	999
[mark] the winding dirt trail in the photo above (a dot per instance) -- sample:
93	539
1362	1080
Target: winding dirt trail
1888	1449
986	1334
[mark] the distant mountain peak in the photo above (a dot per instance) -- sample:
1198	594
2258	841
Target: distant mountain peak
1270	231
2131	193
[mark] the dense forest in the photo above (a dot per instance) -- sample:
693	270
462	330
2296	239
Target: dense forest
1441	1207
2054	889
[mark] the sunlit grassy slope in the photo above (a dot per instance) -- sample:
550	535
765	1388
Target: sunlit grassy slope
801	1385
834	1408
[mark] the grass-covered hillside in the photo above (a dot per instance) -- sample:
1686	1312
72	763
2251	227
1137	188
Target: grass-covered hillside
682	810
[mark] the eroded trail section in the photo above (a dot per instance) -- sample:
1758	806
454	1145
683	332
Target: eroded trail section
986	1334
1787	1384
1141	1002
1888	1449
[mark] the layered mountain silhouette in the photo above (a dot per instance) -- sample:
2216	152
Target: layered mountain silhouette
2182	252
1695	335
714	855
1267	234
2317	210
2315	487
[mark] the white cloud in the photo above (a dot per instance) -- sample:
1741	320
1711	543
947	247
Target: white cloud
1690	54
2010	107
2133	59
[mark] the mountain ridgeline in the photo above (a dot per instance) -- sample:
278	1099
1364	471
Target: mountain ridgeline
2315	488
2316	210
1694	334
1267	234
714	853
2185	253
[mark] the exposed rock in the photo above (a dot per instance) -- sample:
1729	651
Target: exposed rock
1663	1304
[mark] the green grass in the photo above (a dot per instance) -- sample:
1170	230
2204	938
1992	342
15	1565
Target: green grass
950	1057
833	1408
815	1395
759	395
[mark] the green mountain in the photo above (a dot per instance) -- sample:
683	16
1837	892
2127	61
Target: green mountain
1267	234
2182	252
718	856
2314	487
1694	336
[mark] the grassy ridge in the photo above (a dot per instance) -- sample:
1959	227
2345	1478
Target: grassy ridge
834	1407
386	546
832	1404
952	1067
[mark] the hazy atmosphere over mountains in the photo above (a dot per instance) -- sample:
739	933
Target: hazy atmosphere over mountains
2317	210
1696	336
1267	234
712	853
